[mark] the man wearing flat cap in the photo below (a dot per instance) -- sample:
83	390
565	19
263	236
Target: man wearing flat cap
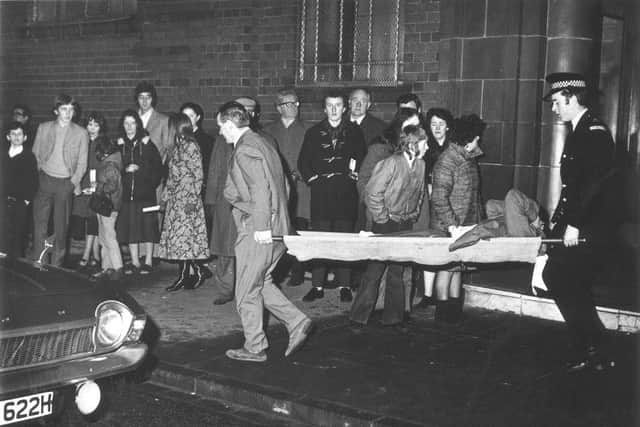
585	168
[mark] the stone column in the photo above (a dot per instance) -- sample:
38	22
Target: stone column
574	28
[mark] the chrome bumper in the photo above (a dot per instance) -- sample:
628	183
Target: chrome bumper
62	374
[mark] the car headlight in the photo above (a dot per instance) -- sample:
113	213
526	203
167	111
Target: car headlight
114	320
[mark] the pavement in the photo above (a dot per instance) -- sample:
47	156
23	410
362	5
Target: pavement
496	368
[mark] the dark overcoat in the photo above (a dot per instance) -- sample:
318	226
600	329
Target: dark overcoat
372	127
326	154
223	229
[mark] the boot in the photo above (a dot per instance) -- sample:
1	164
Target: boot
455	310
442	311
199	277
183	277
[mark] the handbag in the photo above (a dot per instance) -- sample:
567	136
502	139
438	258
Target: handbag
101	204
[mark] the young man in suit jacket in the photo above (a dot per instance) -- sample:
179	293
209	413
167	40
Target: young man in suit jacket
257	189
61	150
154	122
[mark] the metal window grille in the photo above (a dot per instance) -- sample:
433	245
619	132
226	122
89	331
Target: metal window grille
79	11
349	41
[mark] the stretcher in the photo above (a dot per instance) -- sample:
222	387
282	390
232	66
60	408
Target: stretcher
407	248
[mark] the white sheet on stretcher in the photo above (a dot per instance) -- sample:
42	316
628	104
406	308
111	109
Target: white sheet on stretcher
422	250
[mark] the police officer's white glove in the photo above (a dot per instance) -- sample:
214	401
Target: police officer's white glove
571	235
263	237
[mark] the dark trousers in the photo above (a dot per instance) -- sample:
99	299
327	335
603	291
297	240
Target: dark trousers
367	295
569	275
319	269
57	194
15	227
224	275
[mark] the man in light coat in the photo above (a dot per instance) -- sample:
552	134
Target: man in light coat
256	187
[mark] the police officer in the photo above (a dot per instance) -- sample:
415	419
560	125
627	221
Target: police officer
585	169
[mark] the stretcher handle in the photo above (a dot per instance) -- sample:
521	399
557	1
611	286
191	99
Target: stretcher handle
583	240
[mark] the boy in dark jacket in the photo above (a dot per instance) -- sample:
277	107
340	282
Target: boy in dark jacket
20	181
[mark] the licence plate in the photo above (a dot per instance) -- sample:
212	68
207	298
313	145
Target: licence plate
26	408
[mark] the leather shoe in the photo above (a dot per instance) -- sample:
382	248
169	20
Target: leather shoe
356	328
222	300
245	355
400	328
313	295
297	336
346	295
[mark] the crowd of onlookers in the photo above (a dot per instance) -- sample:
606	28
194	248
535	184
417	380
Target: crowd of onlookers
162	188
163	177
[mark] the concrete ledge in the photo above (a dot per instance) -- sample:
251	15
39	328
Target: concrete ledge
302	408
543	308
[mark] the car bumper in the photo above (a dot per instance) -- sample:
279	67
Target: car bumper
69	372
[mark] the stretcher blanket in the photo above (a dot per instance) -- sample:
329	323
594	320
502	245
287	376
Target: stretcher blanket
422	250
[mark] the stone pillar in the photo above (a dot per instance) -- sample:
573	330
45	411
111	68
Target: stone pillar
574	28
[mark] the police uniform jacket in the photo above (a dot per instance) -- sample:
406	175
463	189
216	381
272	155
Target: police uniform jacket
585	168
327	152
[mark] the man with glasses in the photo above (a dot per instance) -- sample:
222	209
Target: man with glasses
288	131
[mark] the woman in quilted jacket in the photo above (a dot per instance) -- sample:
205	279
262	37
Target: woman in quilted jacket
455	202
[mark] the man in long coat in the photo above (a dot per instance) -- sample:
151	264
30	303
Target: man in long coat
223	230
288	130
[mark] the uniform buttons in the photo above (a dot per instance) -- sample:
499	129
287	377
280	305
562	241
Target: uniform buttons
564	185
564	199
564	156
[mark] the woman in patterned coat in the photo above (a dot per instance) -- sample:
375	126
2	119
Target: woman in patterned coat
184	231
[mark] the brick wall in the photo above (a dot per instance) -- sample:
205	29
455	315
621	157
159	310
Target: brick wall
202	51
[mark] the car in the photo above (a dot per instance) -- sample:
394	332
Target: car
61	337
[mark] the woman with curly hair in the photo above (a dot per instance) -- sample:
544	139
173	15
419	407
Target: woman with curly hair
184	231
